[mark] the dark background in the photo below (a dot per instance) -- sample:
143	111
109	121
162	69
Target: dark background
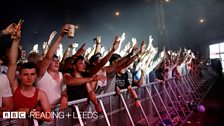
137	19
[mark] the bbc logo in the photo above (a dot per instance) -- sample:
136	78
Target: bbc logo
14	115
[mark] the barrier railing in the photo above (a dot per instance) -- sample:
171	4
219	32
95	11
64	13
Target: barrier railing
169	104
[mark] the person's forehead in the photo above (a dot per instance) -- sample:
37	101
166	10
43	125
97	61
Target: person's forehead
78	61
28	70
81	61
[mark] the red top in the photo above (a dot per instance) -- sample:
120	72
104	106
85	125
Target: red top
21	101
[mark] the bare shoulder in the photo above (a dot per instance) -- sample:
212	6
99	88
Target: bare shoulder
14	85
41	93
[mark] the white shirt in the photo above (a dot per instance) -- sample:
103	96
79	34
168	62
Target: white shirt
5	90
3	69
101	85
51	87
170	72
179	69
111	79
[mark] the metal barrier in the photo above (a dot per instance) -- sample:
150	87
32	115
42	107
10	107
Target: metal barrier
160	105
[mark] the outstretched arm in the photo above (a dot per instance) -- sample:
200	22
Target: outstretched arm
121	61
66	54
106	58
8	30
74	81
47	59
13	56
132	59
49	42
80	51
97	41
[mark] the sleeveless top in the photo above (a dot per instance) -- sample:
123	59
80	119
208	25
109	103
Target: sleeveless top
77	92
51	87
21	101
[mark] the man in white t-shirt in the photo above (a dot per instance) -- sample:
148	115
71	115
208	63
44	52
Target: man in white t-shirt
49	78
3	68
6	103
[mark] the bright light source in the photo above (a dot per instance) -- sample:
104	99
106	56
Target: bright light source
117	13
201	20
167	0
76	27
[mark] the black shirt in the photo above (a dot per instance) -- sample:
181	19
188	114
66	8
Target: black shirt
159	73
122	81
77	92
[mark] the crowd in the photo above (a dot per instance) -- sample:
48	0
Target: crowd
42	80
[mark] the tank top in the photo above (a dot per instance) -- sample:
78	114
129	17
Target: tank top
77	92
21	101
51	87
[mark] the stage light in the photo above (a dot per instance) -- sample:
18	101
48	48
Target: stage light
167	0
76	27
201	20
117	13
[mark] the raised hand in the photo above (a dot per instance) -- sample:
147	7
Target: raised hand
142	50
81	50
150	43
74	45
16	35
51	37
65	29
162	54
35	48
10	29
150	39
134	41
98	39
127	47
44	45
134	49
116	43
122	37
